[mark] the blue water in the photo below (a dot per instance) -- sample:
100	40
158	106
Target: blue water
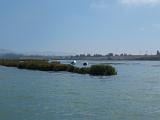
134	94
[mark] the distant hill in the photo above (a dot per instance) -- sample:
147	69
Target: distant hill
8	54
4	51
49	53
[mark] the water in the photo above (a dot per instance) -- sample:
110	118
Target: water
134	94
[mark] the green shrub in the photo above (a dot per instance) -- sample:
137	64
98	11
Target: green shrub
70	68
76	70
9	63
102	70
109	70
55	62
21	66
84	70
60	67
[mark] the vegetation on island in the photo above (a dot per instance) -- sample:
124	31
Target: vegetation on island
44	65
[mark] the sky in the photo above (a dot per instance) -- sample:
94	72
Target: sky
80	26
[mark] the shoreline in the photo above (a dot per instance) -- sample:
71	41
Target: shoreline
94	58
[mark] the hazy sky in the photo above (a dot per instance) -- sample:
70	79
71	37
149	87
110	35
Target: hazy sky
80	26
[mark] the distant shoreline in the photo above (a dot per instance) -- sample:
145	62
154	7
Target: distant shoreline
119	57
129	58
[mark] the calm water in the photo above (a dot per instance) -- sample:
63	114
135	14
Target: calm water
134	94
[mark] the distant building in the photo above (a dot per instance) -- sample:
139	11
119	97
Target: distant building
158	53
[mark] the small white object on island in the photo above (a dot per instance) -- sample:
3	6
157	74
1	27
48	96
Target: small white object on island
73	62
